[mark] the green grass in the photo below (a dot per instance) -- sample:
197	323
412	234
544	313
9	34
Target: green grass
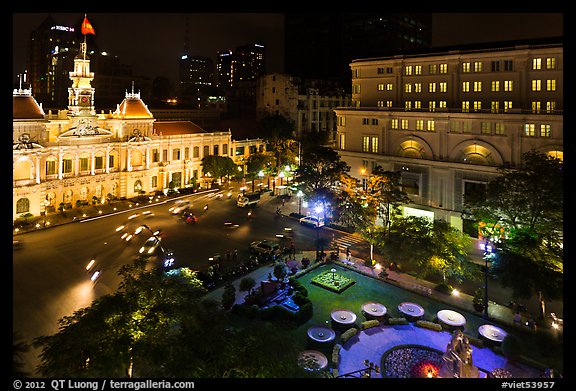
334	282
366	289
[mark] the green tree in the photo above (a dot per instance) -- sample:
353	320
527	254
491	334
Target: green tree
279	271
247	284
259	162
522	210
219	166
278	131
19	348
229	295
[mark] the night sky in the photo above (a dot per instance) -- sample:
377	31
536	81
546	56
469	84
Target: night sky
153	42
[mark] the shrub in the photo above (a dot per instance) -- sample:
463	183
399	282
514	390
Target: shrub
336	354
369	323
444	288
346	335
475	341
511	347
428	325
397	321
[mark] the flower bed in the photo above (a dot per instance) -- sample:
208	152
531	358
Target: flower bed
332	281
411	361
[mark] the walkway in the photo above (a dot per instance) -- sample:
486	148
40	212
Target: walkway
371	344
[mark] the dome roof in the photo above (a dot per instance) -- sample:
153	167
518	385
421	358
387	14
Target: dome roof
132	107
24	106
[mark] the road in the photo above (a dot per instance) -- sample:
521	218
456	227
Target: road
50	280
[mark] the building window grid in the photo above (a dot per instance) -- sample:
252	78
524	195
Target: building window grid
465	67
389	87
529	130
404	124
499	128
431	87
507	105
536	64
465	86
442	104
550	63
417	87
394	123
443	68
495	85
485	127
374	144
477	66
477	86
551	85
417	104
508	85
418	69
545	130
443	86
536	85
432	105
550	106
536	107
430	126
408	70
419	124
477	105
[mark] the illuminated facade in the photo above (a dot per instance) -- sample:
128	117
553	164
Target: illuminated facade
448	120
78	156
309	103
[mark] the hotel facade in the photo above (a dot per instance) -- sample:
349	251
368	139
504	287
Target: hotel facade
77	156
448	120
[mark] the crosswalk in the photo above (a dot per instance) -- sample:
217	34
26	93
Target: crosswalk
348	240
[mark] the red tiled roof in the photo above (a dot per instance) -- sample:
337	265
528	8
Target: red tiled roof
171	128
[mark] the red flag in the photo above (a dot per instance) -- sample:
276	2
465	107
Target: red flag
87	27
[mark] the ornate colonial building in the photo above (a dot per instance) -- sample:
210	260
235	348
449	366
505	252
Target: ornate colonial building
78	155
448	120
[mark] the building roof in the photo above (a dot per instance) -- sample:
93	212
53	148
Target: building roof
132	107
24	106
173	128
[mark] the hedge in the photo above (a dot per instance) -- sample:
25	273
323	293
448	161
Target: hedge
336	354
397	321
429	325
346	335
369	323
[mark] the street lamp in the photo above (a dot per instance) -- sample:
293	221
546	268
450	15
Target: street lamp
318	210
487	259
260	175
299	195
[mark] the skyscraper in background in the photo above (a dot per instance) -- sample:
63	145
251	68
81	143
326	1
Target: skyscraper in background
245	63
323	45
51	52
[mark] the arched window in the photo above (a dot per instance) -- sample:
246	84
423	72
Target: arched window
138	187
23	205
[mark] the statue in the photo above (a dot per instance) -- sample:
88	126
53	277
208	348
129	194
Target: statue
458	358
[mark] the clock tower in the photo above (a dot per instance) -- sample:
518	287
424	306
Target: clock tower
81	94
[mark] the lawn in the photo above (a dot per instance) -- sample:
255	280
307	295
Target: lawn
366	289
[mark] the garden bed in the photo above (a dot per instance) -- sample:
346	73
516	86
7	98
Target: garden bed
333	281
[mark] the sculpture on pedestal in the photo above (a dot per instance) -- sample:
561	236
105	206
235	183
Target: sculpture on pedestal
458	358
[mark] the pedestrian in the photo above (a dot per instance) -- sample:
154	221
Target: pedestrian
283	201
517	318
347	253
235	255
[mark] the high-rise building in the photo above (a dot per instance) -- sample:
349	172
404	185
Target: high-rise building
196	79
51	54
245	63
449	119
321	46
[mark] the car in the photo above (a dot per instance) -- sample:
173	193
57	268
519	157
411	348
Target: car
264	247
312	221
150	246
16	244
180	206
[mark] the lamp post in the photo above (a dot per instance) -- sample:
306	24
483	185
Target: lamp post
299	195
318	210
487	255
260	175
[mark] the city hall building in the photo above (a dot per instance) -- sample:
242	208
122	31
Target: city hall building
78	156
448	120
